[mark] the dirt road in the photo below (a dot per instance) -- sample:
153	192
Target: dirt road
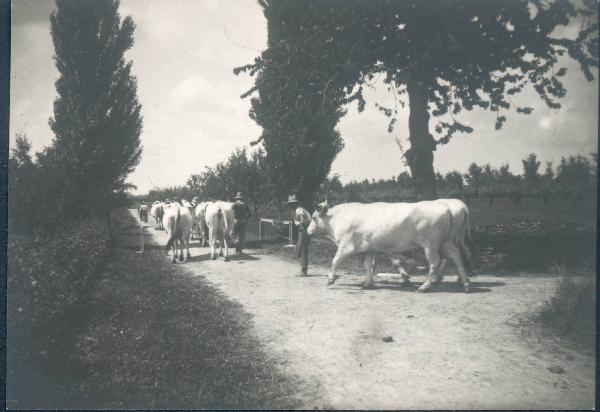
448	349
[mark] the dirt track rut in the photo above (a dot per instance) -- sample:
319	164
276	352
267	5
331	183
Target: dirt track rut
449	350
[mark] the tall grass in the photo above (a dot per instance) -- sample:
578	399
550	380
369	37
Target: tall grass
571	312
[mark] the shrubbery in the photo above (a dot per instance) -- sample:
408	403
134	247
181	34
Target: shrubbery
572	310
50	278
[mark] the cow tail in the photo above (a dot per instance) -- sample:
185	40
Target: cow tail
176	232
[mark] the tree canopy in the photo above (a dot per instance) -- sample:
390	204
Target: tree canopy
445	56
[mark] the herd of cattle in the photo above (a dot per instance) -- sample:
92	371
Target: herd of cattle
440	227
213	222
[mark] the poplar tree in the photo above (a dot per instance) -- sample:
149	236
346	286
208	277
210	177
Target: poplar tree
97	121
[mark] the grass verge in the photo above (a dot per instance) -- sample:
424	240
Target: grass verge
158	338
571	312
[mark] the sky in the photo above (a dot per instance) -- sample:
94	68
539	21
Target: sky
183	59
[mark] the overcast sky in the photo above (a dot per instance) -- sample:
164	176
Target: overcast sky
183	58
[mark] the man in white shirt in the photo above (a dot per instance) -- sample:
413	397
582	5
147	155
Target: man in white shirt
301	221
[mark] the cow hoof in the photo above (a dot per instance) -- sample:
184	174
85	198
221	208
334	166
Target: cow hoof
420	290
213	258
189	256
174	260
226	259
368	286
467	287
221	254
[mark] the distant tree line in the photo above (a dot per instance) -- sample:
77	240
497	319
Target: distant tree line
242	172
574	177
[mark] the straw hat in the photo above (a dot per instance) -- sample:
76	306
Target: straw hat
239	196
292	199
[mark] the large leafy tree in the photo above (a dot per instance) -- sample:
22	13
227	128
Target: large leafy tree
242	172
97	121
440	57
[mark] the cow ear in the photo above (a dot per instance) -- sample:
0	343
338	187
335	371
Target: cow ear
323	208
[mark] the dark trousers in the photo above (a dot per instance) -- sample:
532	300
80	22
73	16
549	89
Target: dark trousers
302	248
239	228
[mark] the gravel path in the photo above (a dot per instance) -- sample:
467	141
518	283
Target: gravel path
390	348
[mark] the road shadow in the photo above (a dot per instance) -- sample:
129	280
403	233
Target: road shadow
234	258
242	257
445	287
146	247
200	258
312	275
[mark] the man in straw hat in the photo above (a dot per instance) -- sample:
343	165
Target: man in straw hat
301	221
241	213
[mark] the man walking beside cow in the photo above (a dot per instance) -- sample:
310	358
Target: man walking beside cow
301	219
143	212
241	213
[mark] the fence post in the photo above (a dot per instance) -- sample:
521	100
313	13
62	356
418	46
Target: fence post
259	229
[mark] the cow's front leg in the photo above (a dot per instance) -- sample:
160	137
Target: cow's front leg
398	267
439	276
339	255
433	257
369	262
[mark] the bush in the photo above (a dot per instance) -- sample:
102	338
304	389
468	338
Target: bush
572	310
49	280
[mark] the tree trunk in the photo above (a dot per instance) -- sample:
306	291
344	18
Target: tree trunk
422	144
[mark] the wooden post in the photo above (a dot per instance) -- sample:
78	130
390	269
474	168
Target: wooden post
259	229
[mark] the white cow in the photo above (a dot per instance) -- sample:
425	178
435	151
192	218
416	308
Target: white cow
371	228
461	234
157	211
219	219
200	213
178	221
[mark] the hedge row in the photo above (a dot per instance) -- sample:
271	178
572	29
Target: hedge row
50	277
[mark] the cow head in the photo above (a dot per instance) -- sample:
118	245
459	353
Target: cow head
320	219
